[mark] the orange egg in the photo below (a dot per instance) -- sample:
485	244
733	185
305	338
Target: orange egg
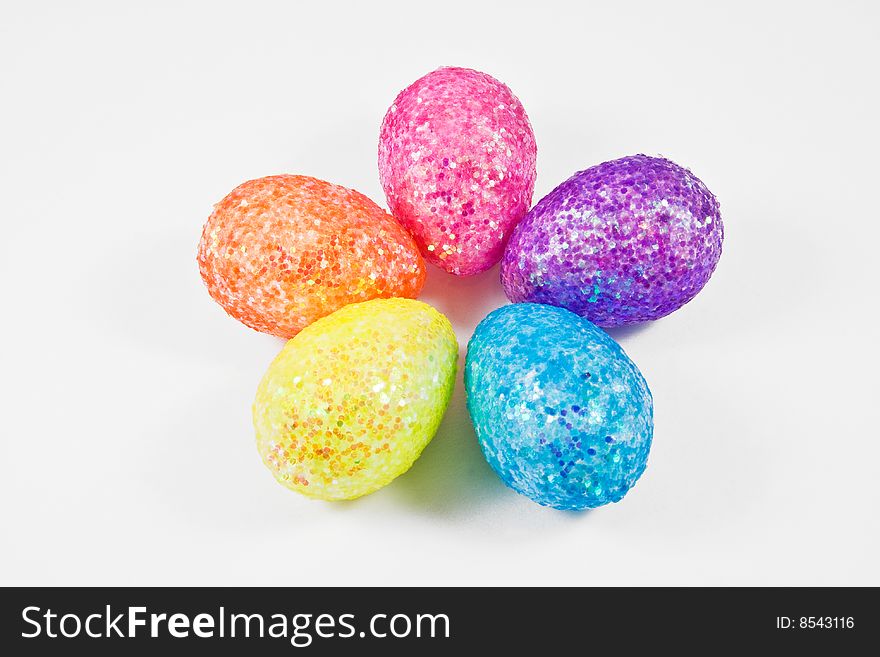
282	251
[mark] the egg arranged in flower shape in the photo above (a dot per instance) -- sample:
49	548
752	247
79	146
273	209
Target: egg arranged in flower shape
282	251
457	162
561	413
623	242
351	401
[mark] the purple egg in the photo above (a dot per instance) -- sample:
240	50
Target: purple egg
623	242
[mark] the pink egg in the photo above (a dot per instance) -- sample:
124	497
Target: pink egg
457	162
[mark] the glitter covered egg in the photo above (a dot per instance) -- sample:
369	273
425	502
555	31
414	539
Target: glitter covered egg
562	414
457	161
623	242
353	399
279	252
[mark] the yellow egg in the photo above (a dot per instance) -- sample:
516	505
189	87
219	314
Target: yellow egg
353	399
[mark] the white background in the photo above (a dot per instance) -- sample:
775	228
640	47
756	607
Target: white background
127	449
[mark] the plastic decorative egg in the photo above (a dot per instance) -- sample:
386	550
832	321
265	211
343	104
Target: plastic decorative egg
457	161
351	401
279	252
623	242
562	414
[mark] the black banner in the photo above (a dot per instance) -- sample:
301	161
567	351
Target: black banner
333	621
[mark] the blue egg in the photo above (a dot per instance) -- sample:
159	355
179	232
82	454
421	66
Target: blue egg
561	412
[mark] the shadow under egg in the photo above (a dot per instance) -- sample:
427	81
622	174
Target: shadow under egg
451	476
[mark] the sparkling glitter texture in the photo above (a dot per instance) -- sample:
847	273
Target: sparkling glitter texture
353	399
279	252
562	414
457	161
626	241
